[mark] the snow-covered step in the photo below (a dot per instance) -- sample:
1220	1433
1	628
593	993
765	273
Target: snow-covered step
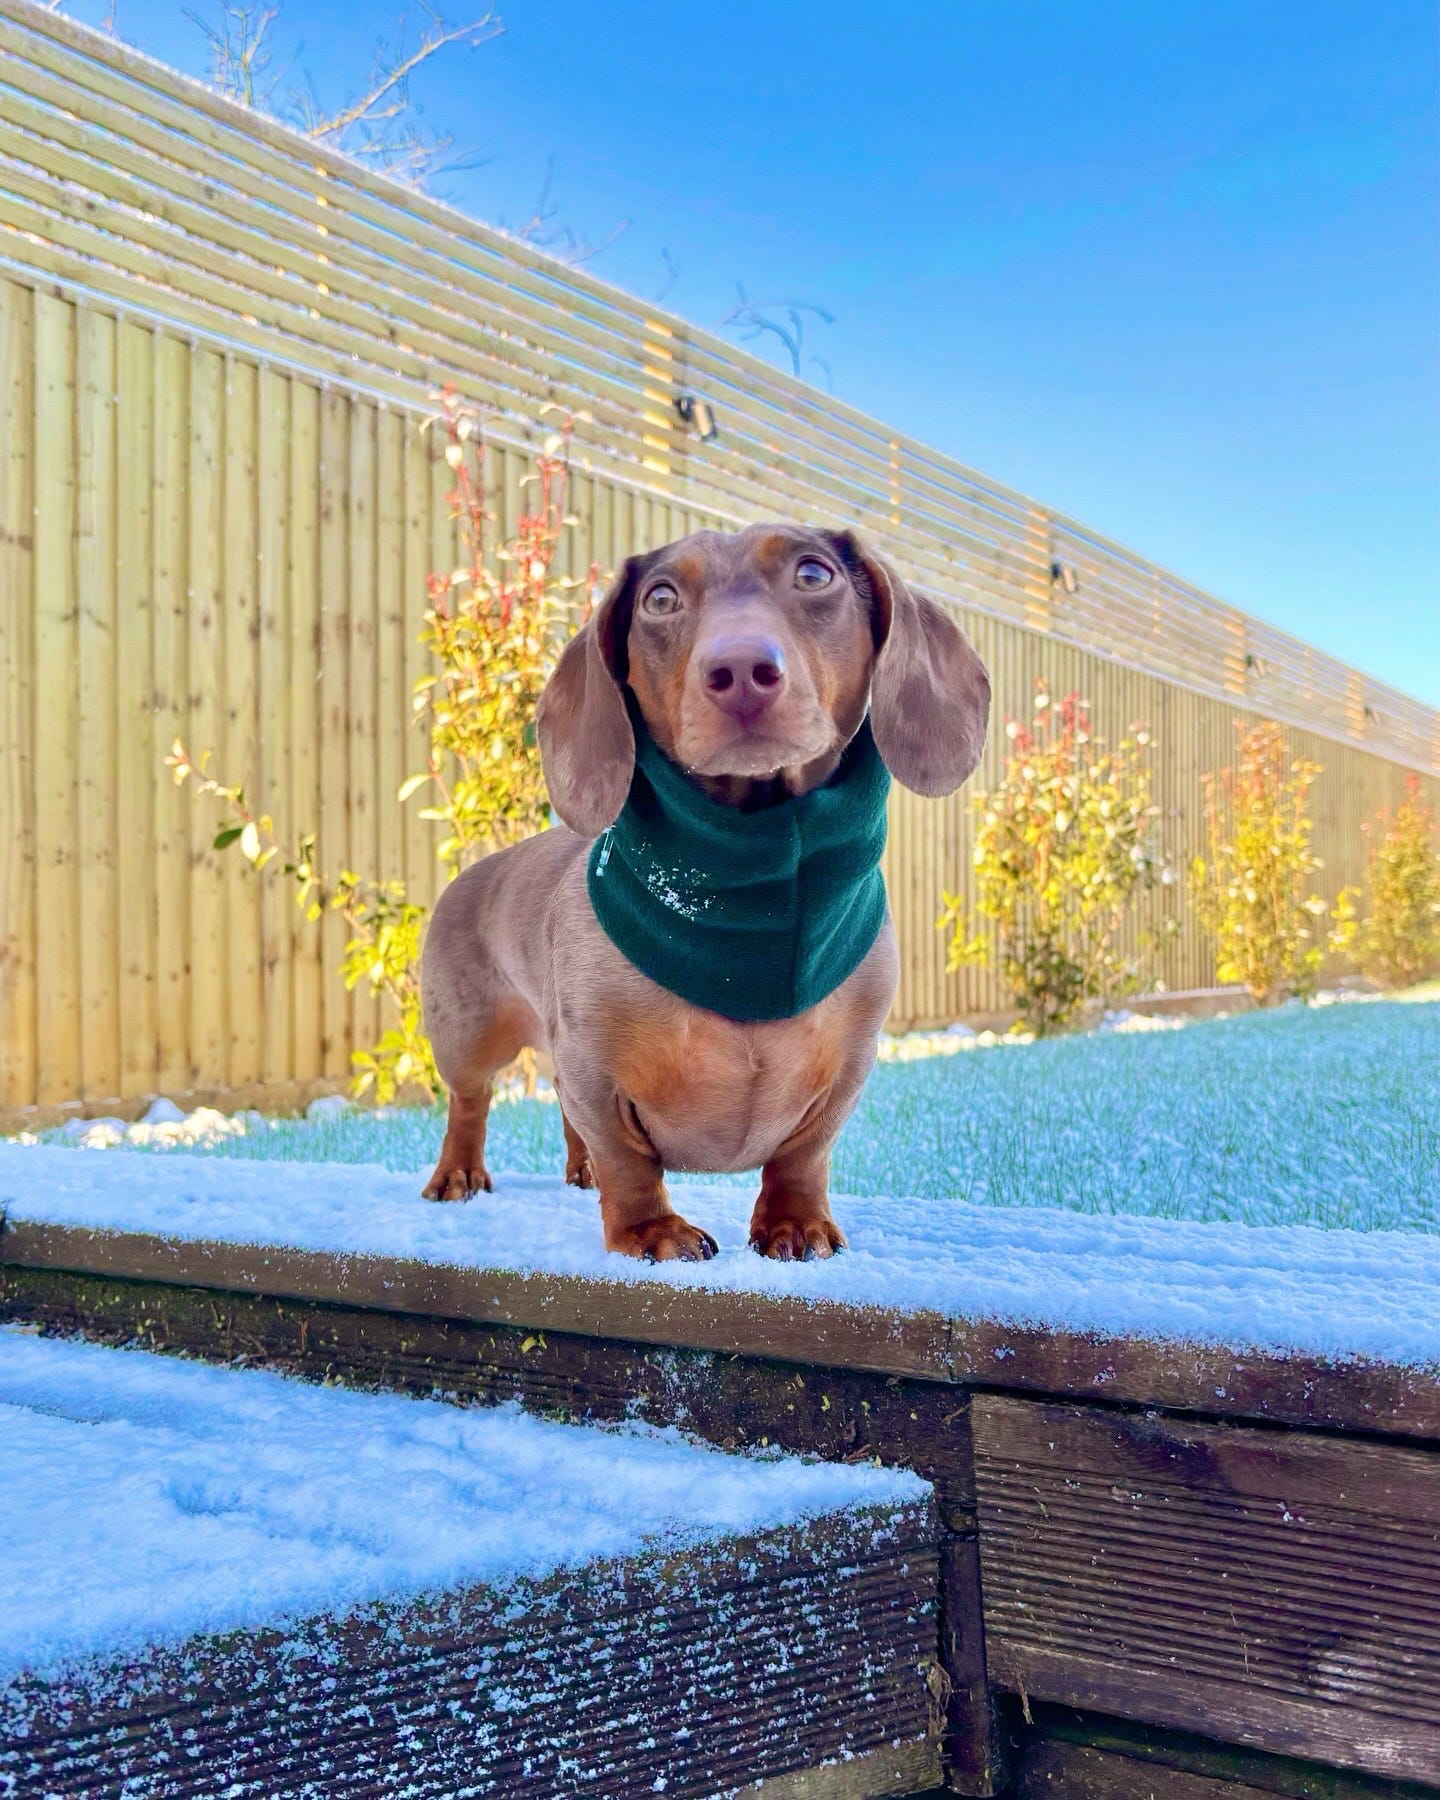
221	1580
1286	1323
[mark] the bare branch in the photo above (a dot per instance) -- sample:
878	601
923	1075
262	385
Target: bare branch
547	231
239	55
388	97
673	270
380	126
751	320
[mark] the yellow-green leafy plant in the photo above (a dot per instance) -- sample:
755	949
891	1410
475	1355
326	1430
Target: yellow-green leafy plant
1253	889
1062	848
1399	943
494	627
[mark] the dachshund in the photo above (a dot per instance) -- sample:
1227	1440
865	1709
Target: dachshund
753	661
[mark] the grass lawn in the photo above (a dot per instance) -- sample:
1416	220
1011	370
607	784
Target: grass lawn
1322	1116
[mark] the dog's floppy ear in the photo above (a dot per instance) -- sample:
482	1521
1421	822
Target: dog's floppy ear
930	693
586	744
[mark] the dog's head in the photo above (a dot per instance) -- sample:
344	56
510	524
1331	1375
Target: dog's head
756	652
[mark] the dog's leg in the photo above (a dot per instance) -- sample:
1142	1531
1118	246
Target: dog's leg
634	1207
461	1169
578	1170
792	1219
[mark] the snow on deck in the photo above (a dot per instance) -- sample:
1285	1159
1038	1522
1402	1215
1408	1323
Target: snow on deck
1294	1289
146	1500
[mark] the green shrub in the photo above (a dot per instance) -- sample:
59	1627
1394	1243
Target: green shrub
1250	888
494	627
1062	847
1399	943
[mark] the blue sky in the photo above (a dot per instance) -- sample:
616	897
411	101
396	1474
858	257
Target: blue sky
1171	268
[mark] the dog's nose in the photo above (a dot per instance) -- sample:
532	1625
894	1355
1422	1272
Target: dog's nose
743	676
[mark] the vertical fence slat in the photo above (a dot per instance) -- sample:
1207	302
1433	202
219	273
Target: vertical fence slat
57	657
277	904
301	796
169	537
17	696
444	554
94	748
397	618
240	630
419	867
205	708
362	853
139	772
333	817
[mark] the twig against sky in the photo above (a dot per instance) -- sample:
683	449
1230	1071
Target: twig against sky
781	319
382	124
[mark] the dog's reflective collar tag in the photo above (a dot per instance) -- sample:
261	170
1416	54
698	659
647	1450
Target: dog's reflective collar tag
604	855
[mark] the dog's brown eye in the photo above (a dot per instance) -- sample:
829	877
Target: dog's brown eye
811	573
664	597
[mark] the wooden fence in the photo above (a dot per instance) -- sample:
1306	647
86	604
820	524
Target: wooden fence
216	518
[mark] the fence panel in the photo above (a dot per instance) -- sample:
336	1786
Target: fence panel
197	544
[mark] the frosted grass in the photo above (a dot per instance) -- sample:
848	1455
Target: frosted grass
1325	1116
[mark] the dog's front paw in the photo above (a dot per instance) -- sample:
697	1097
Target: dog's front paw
790	1239
666	1239
451	1183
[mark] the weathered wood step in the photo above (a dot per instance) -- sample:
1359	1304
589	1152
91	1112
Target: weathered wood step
1264	1587
520	1607
1336	1330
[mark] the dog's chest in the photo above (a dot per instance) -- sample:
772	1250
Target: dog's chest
714	1095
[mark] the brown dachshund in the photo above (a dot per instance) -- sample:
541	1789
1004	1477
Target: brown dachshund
752	659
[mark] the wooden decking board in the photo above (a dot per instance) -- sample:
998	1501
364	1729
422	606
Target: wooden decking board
1063	1742
1278	1589
1081	1772
1356	1397
908	1770
1282	1389
645	1312
735	1402
723	1667
1061	1771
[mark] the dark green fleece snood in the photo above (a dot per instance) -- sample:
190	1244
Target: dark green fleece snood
750	914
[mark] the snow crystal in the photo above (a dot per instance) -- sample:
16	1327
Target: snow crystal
147	1499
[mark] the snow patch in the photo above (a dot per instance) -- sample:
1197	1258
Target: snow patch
164	1127
1298	1289
146	1499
